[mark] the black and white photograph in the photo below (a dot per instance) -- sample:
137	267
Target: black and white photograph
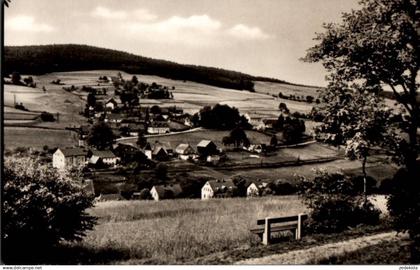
210	132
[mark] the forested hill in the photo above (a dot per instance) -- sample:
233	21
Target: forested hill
55	58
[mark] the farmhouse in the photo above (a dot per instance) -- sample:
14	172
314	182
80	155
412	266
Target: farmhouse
162	192
207	148
217	189
69	157
159	153
114	118
269	123
185	151
105	156
123	148
111	104
158	127
147	150
136	129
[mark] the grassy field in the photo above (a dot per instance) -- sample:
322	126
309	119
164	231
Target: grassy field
169	232
37	138
188	95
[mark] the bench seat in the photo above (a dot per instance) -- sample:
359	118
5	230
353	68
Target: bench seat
275	228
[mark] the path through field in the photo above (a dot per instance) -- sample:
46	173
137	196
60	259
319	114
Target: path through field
305	256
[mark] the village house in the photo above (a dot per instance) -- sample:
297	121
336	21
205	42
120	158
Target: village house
64	157
217	189
185	151
115	118
147	150
255	188
268	123
160	153
103	156
125	150
158	127
136	128
111	104
207	148
162	192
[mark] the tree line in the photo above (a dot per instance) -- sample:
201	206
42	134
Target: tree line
55	58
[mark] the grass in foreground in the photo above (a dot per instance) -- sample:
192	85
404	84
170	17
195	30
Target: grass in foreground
170	232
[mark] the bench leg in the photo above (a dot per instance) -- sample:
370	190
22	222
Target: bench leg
267	232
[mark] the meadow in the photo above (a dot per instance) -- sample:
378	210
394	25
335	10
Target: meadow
170	232
37	138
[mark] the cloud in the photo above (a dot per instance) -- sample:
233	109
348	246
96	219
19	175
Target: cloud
242	31
196	30
27	24
106	13
144	15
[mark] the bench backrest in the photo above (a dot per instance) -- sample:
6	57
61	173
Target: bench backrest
282	219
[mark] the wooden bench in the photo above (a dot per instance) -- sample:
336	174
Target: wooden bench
289	223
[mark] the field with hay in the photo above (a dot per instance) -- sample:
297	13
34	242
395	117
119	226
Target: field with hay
176	231
37	137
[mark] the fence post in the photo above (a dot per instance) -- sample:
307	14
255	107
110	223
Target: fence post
267	232
299	227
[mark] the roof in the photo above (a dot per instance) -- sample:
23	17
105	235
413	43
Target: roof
136	126
269	121
103	153
148	146
158	149
162	189
73	152
217	184
94	159
204	143
115	116
156	124
183	147
112	100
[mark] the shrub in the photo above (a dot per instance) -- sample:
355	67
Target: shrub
145	194
127	190
40	206
335	203
47	117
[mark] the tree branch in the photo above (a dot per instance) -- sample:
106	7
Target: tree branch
399	99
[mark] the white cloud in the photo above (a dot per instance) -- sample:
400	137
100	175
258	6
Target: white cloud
196	30
104	12
27	24
242	31
144	15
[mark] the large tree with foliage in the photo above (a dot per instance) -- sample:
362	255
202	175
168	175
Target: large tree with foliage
41	206
101	136
372	48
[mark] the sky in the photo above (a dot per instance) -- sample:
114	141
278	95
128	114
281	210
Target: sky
258	37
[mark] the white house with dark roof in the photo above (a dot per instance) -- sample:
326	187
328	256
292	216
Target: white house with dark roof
158	127
161	192
111	104
217	188
106	156
185	151
64	157
207	148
